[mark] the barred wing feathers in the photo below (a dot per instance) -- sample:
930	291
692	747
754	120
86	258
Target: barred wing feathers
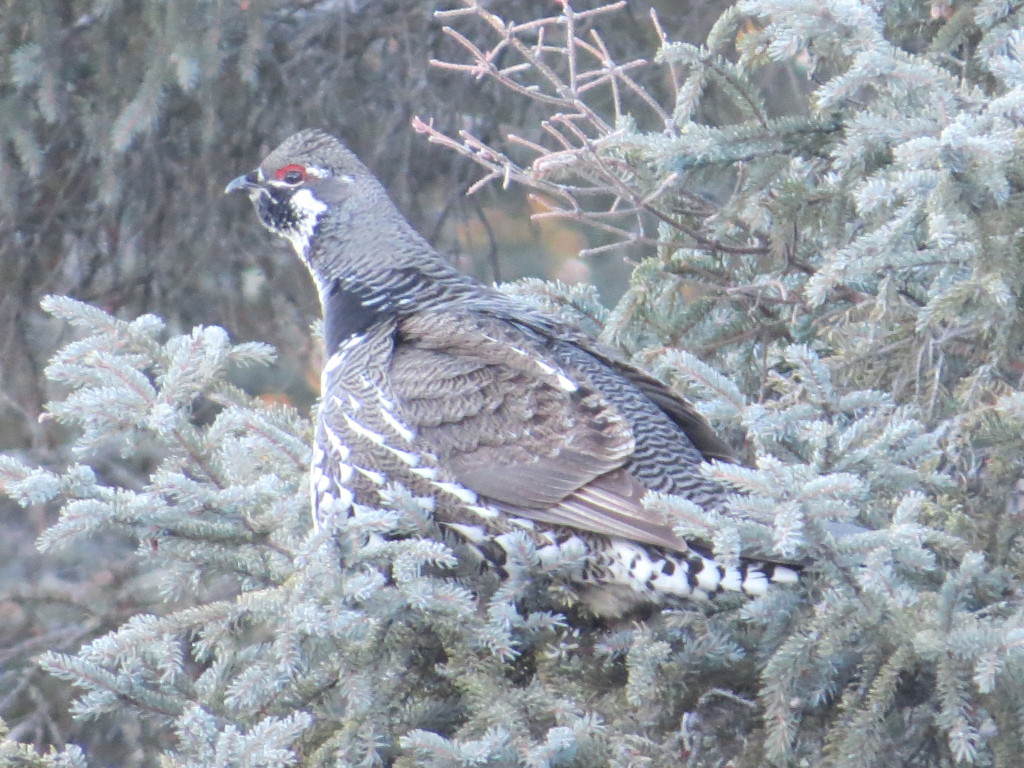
514	425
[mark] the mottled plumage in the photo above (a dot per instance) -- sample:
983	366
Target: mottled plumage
509	418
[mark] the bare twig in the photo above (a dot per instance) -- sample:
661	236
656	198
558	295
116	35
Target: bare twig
574	162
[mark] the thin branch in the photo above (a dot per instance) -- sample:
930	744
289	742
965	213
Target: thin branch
576	129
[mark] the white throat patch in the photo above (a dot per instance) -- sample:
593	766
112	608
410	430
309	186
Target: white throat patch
307	211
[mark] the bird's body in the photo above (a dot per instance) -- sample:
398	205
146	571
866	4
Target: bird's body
507	418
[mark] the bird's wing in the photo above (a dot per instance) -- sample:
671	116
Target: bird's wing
689	419
511	424
686	417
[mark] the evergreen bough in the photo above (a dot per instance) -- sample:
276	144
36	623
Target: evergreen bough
845	295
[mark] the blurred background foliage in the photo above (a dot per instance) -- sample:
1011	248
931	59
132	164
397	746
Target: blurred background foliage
120	123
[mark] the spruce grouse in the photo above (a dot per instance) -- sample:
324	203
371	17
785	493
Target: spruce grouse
508	418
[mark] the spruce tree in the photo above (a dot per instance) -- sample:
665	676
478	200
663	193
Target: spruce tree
834	277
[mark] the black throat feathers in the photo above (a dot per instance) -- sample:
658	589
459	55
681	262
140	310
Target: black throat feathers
351	309
353	306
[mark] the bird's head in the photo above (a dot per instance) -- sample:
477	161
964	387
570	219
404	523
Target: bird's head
315	193
310	177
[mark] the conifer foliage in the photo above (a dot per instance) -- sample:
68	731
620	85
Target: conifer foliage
834	276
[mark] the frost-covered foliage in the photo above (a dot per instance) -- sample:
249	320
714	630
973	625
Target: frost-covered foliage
14	754
835	278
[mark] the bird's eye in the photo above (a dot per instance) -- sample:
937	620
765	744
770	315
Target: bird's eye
290	174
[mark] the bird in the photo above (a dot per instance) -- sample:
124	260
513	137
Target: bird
511	421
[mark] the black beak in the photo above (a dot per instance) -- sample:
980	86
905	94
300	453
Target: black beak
246	182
